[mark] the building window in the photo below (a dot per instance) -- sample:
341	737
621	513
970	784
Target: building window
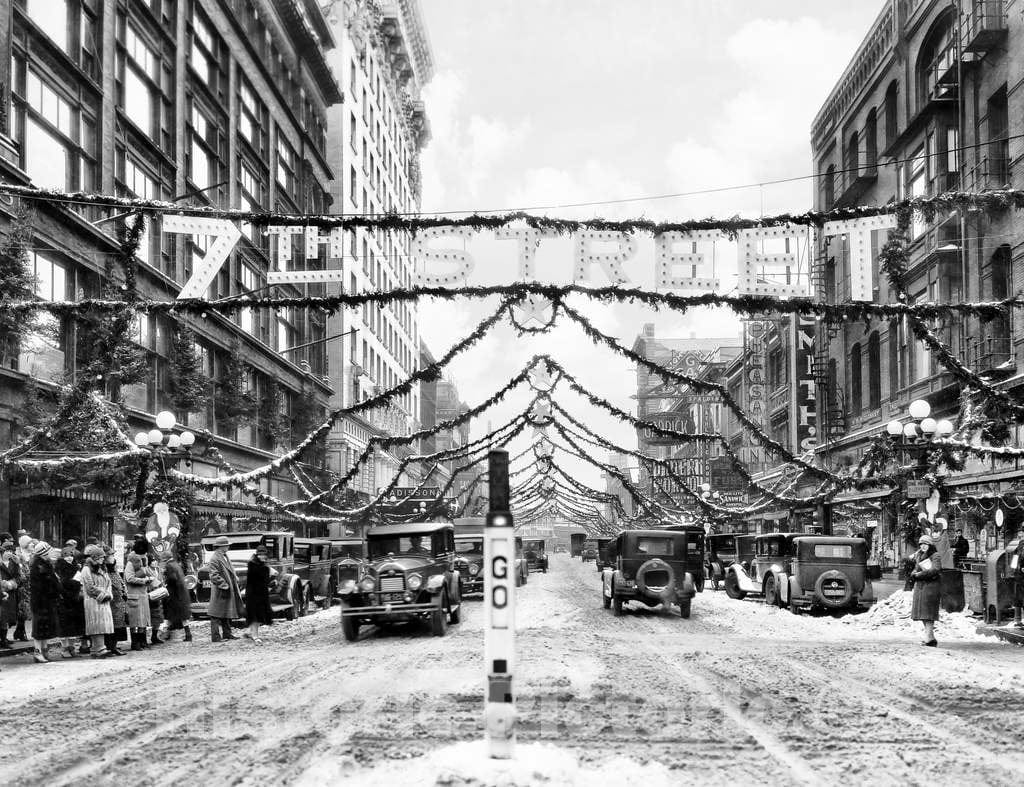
252	194
206	167
917	186
891	108
286	167
252	117
137	182
51	16
874	371
139	75
208	55
892	340
855	381
998	168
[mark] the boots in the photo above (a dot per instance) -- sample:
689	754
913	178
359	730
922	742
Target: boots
1017	618
215	630
111	642
143	642
39	656
155	640
188	634
19	630
226	626
134	636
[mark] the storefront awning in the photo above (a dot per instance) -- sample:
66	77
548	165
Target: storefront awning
25	492
874	494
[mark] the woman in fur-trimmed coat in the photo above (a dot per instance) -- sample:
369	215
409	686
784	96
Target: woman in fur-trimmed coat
45	598
138	576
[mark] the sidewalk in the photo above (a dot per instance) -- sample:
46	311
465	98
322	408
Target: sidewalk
16	648
1006	632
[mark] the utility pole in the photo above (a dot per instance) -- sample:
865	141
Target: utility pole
499	608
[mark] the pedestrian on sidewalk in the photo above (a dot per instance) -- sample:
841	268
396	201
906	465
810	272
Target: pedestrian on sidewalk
24	554
1017	576
72	612
99	622
10	580
178	604
138	577
45	599
225	597
118	602
927	592
156	600
257	595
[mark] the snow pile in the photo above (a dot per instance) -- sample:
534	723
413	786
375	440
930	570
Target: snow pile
464	764
895	611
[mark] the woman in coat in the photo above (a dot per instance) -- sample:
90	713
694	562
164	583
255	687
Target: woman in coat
72	613
10	579
138	576
45	599
257	595
178	604
118	602
927	591
96	586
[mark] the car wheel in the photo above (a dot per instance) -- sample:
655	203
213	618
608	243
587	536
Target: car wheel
455	612
771	593
331	593
732	587
684	608
796	610
605	598
439	617
349	627
617	606
304	598
296	603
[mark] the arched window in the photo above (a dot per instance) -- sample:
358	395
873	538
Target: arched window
874	371
937	55
853	155
1001	271
891	96
855	387
828	188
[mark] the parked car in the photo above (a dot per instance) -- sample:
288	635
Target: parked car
347	556
605	553
536	557
409	575
315	562
654	567
576	544
722	550
469	561
827	572
522	568
290	594
773	553
589	550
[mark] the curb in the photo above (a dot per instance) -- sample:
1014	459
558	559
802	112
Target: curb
17	649
1015	636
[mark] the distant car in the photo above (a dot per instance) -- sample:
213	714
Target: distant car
410	575
315	562
827	572
773	553
724	549
348	555
589	550
536	558
654	567
605	558
290	595
522	567
469	561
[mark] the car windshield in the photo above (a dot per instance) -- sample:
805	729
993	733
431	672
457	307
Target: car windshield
237	550
399	545
654	546
536	546
347	550
473	547
726	544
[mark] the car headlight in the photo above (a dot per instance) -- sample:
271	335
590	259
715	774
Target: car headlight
413	581
435	582
367	584
348	586
474	569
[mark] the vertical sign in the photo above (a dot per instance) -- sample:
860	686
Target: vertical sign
499	610
755	400
803	421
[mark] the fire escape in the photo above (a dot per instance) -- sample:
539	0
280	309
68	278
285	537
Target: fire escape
831	412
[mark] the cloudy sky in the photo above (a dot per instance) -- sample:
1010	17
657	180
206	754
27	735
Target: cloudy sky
539	103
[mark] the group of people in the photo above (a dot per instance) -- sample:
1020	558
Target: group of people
79	597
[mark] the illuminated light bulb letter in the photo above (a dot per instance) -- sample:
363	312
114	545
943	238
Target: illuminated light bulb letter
529	240
460	263
861	256
312	240
610	262
225	235
754	266
668	260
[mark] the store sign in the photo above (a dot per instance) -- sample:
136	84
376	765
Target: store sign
676	421
918	490
754	397
803	409
689	472
723	476
420	492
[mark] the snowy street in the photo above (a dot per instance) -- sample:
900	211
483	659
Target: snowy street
738	692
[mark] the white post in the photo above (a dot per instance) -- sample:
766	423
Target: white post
499	634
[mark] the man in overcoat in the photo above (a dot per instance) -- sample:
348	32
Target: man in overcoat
225	597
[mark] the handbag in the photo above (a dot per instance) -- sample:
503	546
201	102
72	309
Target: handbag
158	594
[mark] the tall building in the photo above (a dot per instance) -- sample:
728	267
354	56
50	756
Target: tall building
929	103
202	102
382	60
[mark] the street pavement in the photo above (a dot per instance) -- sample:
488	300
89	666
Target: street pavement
738	693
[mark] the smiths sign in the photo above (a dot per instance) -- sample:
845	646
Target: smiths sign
678	422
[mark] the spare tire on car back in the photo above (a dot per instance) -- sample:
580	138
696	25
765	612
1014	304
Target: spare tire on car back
656	577
833	589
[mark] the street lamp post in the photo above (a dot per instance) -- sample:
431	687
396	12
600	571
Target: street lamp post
166	446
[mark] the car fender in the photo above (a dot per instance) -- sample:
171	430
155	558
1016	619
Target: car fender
743	579
285	582
688	587
782	583
867	594
793	589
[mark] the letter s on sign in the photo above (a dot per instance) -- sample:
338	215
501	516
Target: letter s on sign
499	568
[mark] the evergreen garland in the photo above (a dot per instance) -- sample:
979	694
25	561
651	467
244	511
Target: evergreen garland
273	421
234	404
18	284
188	382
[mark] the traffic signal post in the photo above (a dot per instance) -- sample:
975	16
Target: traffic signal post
499	610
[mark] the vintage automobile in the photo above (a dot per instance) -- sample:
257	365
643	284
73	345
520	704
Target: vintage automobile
589	550
605	556
576	544
347	556
827	572
315	561
655	567
469	561
773	552
522	567
560	547
290	595
536	557
409	575
722	550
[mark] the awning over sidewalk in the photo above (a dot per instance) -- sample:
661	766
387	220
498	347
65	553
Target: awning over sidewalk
852	497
